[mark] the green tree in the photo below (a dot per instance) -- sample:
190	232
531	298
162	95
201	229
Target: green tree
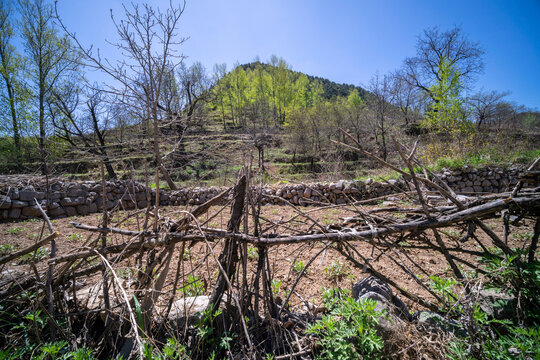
50	58
14	96
447	112
218	91
356	114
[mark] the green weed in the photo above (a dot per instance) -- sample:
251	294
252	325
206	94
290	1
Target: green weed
298	266
193	286
76	237
15	230
253	253
336	270
6	249
348	331
41	253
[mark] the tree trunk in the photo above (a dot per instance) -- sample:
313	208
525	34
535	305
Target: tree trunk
41	139
16	135
110	169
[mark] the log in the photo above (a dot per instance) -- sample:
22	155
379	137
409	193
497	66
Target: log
529	203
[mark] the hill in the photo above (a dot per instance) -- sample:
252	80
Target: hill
331	89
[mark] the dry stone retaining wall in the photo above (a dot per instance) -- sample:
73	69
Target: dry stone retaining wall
70	198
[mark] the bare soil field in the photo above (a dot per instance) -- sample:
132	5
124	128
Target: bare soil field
328	269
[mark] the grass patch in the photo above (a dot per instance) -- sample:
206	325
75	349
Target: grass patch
15	230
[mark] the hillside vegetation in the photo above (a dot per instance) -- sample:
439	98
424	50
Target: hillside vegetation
291	117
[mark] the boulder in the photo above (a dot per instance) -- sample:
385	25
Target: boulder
371	284
72	201
496	304
432	322
92	207
189	308
75	191
390	320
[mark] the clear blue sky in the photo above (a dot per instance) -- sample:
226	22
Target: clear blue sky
344	41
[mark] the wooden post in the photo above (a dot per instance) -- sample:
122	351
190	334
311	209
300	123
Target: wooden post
104	242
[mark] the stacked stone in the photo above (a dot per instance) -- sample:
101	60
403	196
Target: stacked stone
485	180
70	198
340	192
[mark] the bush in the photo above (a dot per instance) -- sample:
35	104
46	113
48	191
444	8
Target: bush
348	331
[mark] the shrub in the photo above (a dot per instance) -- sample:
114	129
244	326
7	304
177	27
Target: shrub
348	331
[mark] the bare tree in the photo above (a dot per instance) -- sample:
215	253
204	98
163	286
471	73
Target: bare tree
506	115
84	132
149	41
436	48
379	102
485	106
407	98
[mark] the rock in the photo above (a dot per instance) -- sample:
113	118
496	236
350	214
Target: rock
188	307
59	211
5	202
433	322
83	209
92	207
54	205
73	201
371	284
56	195
14	213
31	211
10	275
13	193
29	195
391	320
496	305
75	192
140	196
70	211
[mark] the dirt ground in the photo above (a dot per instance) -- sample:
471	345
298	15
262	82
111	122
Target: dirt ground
285	261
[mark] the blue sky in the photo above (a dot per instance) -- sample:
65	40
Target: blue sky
344	41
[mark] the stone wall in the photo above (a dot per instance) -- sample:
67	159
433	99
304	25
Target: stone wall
70	198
